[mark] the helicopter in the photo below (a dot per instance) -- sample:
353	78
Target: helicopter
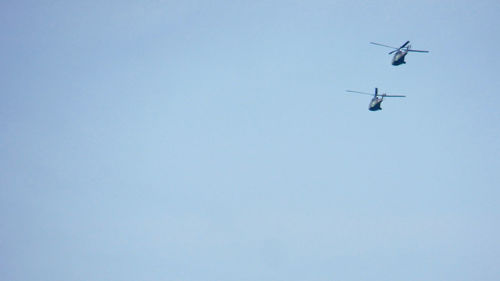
376	101
400	53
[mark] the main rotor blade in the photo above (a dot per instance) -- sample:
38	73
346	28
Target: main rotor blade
417	51
406	43
363	93
378	44
392	96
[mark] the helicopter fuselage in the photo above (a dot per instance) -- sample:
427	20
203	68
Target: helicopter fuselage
399	58
375	104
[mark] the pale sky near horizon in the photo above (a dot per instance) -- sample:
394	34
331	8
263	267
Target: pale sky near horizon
214	140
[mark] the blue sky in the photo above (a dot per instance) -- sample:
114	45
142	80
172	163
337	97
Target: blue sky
214	140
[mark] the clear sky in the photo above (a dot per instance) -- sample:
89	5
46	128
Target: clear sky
214	140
